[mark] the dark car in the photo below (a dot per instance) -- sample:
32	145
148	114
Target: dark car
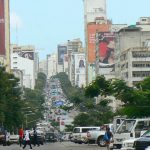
143	142
50	137
40	137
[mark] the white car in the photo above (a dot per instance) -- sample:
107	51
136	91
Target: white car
14	138
128	144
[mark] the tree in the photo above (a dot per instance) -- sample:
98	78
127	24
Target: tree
10	100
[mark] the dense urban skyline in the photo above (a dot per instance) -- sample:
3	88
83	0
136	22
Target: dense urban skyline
45	25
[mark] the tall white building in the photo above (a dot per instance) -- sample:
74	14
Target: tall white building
93	9
51	65
43	66
22	58
74	45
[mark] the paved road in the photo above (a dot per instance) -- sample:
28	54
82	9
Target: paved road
57	146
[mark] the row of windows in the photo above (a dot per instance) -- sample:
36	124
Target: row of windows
141	65
141	74
140	54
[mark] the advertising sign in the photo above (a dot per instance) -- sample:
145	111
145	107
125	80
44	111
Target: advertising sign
91	32
62	50
28	55
2	28
80	64
105	48
80	70
59	103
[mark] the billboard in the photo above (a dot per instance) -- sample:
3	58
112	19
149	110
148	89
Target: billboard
2	28
62	50
28	55
80	70
80	63
105	46
91	32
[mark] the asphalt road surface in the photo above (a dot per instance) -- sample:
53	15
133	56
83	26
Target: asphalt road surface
57	146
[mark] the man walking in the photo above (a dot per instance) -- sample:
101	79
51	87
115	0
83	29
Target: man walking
20	136
35	137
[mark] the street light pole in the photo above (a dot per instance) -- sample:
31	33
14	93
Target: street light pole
26	120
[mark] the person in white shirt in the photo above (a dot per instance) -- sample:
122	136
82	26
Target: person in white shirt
27	139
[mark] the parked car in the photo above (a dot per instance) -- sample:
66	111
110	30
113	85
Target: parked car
14	138
80	134
96	136
130	129
50	137
40	136
143	142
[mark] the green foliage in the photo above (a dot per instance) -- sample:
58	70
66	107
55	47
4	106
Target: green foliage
34	100
41	81
10	100
69	128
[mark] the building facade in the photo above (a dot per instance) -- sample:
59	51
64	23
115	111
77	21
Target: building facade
73	46
132	53
4	34
22	58
51	65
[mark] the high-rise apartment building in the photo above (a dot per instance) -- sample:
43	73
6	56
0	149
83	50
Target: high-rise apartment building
93	9
132	52
73	46
61	52
51	65
95	19
22	58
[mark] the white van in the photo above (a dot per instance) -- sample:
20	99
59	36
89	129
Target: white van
129	130
80	134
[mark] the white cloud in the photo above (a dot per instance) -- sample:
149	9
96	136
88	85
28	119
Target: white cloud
15	21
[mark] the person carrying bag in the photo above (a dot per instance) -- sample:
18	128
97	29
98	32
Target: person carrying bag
27	139
108	137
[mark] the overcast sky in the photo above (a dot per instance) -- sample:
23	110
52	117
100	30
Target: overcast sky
46	23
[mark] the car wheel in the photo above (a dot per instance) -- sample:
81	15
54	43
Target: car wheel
101	141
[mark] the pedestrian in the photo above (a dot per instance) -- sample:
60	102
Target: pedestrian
35	137
27	139
20	137
108	137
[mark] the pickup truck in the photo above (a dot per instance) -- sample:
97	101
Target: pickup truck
96	136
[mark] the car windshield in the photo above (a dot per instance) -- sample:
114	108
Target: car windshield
76	130
146	134
126	126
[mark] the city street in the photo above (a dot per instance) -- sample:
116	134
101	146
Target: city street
57	146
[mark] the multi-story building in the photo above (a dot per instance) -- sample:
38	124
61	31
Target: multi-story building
22	58
61	52
93	9
132	52
4	34
43	66
73	46
36	63
51	65
66	64
95	19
